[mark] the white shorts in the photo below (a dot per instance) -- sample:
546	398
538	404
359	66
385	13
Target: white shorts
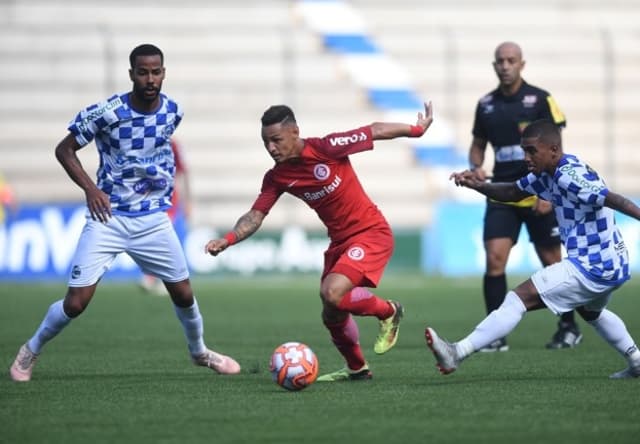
150	240
562	287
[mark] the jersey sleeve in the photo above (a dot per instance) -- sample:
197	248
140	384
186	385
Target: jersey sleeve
175	109
93	119
582	182
343	144
478	130
534	185
269	195
552	111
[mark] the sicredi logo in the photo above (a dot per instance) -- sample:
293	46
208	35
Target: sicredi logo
321	171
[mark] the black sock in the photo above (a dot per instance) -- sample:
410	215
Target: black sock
568	318
495	289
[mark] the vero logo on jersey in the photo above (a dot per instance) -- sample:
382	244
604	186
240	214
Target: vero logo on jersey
346	140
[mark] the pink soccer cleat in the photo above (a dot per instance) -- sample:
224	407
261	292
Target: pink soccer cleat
222	364
22	367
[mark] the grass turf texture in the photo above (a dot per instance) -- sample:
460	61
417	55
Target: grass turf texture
121	373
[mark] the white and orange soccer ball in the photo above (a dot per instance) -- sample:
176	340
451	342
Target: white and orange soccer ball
294	366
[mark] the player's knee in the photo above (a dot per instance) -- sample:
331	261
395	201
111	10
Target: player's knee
181	293
331	296
588	315
496	262
74	304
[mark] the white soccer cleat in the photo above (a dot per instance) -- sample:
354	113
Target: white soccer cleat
633	371
222	364
445	353
22	367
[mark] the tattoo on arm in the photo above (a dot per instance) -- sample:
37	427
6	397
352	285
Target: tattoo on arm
248	224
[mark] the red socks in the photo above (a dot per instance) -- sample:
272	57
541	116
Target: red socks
360	301
345	336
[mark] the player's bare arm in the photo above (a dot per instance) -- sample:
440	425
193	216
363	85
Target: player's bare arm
245	227
97	201
476	157
622	204
503	192
390	130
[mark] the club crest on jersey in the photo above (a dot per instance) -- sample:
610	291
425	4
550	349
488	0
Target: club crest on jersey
168	131
529	101
486	105
321	171
356	253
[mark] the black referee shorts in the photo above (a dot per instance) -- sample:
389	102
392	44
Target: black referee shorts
501	220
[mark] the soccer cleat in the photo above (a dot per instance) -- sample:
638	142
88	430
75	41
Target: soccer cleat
222	364
499	345
567	336
346	374
446	357
388	334
633	371
23	365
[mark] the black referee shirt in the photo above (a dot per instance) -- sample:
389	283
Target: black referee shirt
501	119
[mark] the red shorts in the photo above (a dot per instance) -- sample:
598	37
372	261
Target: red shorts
362	258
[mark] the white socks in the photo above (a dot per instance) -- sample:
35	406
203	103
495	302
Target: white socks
498	324
612	329
191	320
52	324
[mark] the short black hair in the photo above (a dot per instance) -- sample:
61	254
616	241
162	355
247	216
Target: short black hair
278	114
545	130
146	49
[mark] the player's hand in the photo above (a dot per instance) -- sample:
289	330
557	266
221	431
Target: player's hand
424	121
216	246
466	178
480	173
98	204
542	207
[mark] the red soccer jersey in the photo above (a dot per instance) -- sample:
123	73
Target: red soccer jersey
324	178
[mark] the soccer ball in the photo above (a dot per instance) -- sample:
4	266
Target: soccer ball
293	366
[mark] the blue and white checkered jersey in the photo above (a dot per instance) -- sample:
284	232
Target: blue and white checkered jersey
136	166
587	228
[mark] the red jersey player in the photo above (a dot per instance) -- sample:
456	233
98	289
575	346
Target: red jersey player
318	171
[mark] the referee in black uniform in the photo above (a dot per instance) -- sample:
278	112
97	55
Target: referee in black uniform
500	118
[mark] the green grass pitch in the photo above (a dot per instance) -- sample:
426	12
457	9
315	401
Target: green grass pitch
121	374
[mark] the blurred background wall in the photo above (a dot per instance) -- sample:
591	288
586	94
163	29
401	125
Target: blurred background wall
227	61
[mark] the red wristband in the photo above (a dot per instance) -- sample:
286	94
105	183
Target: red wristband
416	131
231	237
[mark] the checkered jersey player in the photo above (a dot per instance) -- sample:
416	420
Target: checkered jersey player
318	171
499	120
597	261
127	208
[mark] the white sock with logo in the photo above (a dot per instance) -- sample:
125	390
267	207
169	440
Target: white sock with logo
52	324
192	324
498	324
612	329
